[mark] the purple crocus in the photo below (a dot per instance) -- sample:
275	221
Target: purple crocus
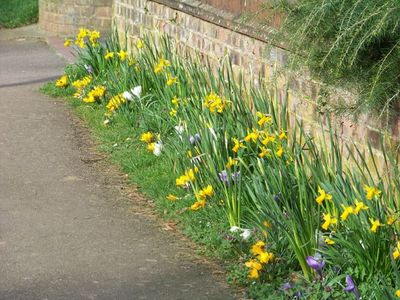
351	287
235	176
89	69
315	263
194	139
223	176
277	197
286	286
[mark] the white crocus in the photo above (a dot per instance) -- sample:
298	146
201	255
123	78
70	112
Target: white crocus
234	229
246	234
127	96
179	129
157	148
136	91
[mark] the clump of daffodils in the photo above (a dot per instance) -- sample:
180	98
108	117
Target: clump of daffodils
261	258
83	36
95	94
80	85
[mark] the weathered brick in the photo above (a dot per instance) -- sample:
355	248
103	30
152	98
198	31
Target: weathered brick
65	17
250	55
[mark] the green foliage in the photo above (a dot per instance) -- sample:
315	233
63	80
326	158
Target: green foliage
350	41
16	13
246	129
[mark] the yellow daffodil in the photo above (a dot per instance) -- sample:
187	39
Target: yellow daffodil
94	94
94	36
182	180
198	204
139	43
347	210
252	136
191	174
80	43
328	241
267	138
265	257
375	224
171	197
282	135
171	79
204	193
263	119
172	112
322	196
279	151
264	152
237	145
83	32
359	206
396	252
175	101
122	55
397	293
89	98
253	264
390	220
253	274
151	147
208	191
98	91
67	42
81	83
161	65
147	137
214	103
371	192
109	55
267	224
80	38
231	162
329	220
115	102
257	248
62	81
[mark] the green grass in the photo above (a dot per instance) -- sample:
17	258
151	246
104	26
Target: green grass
16	13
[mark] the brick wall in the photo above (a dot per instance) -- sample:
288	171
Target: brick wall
217	28
65	17
203	26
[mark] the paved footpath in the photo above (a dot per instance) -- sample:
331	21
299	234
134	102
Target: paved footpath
64	232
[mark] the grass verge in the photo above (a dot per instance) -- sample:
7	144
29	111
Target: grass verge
17	13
